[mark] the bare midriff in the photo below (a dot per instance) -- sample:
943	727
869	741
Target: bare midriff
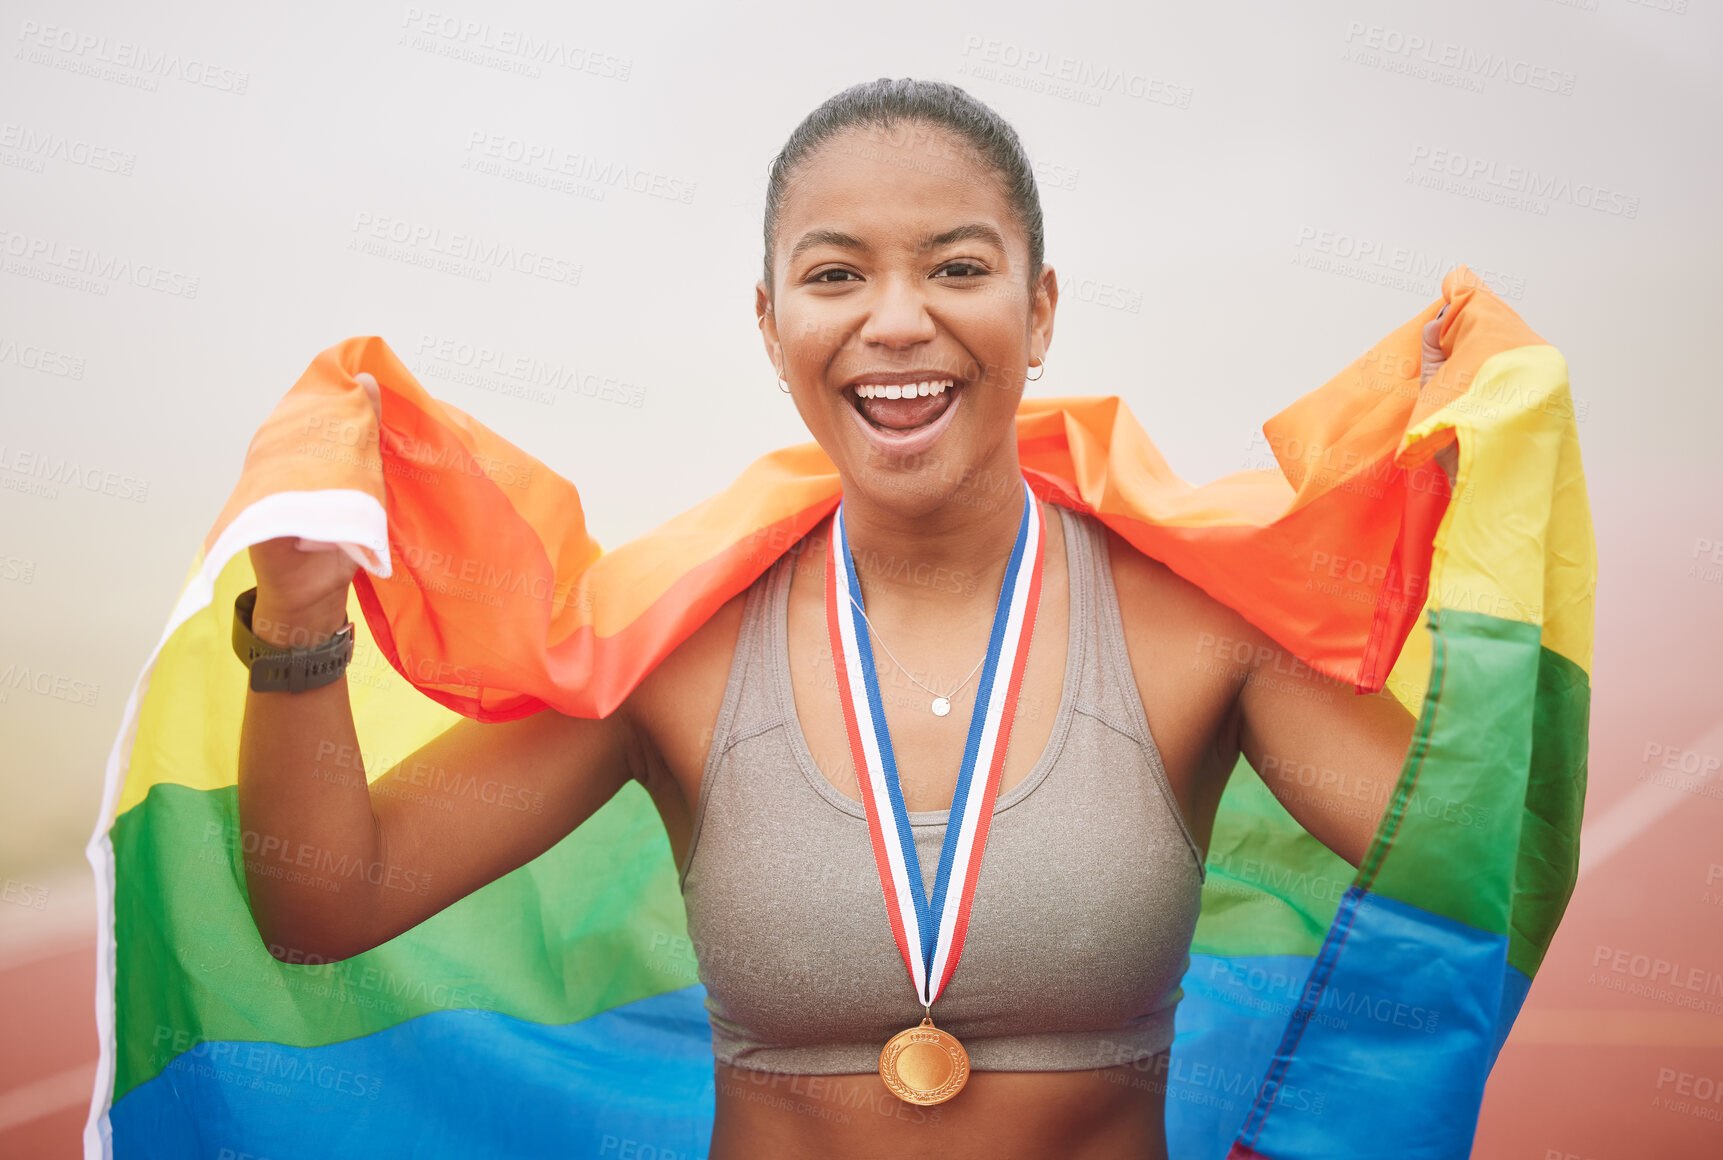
1096	1114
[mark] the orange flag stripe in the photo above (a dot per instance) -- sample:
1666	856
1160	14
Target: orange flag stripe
493	599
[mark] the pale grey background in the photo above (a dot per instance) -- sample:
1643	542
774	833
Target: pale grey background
1202	218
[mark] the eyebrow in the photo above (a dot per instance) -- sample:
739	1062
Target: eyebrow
971	231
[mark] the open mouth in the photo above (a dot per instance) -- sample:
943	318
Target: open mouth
903	408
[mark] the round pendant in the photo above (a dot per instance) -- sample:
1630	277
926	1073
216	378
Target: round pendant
924	1065
941	706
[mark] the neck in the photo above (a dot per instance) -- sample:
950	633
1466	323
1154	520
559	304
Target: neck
927	567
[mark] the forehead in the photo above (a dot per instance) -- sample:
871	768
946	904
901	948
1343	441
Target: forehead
882	184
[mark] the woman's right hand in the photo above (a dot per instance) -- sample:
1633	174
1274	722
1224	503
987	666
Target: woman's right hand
300	584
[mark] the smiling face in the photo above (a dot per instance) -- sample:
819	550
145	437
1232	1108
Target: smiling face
897	269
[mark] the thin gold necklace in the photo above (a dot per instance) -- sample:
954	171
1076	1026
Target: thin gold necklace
941	704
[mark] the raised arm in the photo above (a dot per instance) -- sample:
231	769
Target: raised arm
334	866
1330	755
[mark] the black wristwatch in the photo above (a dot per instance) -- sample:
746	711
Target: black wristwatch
293	669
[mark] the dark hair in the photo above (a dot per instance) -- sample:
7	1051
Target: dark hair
885	103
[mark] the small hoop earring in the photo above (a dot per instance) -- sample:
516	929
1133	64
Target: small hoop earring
783	386
1042	368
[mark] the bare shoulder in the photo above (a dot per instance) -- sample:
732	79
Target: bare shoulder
1162	610
675	707
1182	644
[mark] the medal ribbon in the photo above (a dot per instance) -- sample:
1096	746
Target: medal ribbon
930	932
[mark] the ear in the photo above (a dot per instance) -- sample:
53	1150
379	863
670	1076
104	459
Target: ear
768	324
1041	310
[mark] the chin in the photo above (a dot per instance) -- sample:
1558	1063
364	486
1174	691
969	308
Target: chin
958	476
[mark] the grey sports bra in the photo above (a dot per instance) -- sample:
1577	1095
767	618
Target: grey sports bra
1081	925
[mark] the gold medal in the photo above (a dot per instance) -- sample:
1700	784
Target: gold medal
924	1065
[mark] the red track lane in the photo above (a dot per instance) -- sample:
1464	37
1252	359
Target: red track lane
49	1062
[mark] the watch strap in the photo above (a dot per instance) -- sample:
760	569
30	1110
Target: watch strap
292	670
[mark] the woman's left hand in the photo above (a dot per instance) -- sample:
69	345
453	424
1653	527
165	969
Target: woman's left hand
1434	355
1433	358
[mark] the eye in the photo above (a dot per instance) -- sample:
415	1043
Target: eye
820	276
965	268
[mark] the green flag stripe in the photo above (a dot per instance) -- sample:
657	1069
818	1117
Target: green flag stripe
1455	837
594	922
1467	834
1271	888
1555	801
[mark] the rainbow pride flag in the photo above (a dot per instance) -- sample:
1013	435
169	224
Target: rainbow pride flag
1328	1012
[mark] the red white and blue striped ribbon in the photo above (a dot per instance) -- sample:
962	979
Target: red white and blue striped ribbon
930	932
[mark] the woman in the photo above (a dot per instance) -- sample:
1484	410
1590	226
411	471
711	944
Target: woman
903	246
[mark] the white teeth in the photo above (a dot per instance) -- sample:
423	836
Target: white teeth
905	391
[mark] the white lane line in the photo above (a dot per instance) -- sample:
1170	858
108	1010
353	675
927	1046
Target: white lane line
44	1097
1646	805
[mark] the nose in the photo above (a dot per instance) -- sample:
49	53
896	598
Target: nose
897	316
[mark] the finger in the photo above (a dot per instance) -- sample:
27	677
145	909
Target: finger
356	554
1448	459
373	393
1432	356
